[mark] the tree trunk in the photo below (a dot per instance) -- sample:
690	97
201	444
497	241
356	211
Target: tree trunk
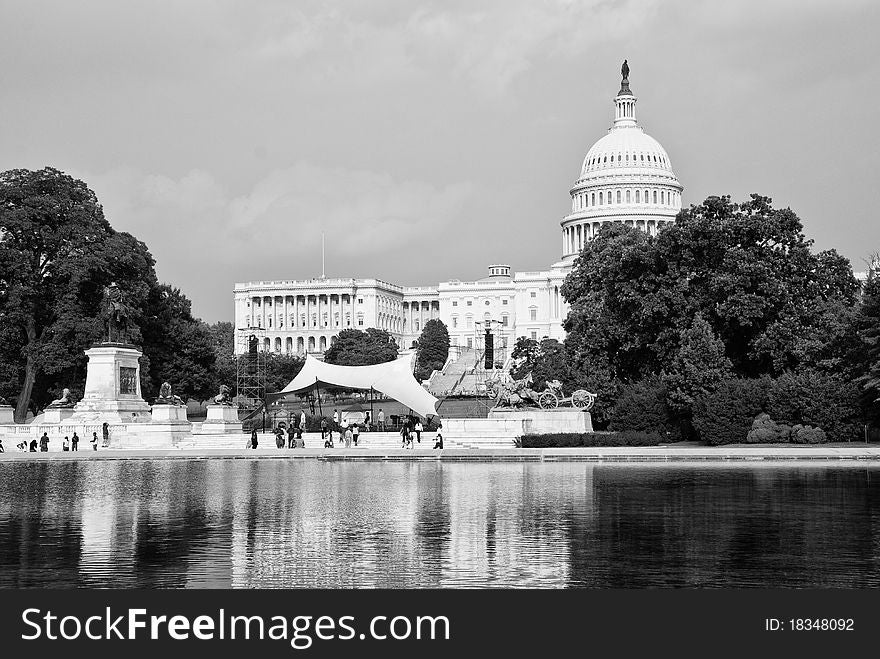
30	376
24	398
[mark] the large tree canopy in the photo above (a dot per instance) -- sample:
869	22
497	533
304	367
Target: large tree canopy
57	253
352	347
432	349
747	269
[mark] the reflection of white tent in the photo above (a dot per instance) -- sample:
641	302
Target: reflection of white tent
394	379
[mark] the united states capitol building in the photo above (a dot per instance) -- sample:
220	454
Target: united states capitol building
626	177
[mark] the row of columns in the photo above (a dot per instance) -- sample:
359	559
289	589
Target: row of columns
313	307
419	310
575	236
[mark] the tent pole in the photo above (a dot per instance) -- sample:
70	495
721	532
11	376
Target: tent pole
318	393
371	406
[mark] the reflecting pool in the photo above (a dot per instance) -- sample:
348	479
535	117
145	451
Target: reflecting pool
310	523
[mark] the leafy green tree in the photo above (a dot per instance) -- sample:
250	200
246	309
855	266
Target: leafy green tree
180	349
57	254
816	398
281	369
746	268
353	347
432	349
223	340
642	407
698	367
545	360
869	324
725	415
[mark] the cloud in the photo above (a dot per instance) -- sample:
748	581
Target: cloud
207	238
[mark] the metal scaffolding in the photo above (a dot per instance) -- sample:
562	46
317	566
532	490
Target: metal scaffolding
250	367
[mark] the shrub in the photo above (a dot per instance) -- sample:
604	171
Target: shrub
814	398
807	435
766	431
725	415
591	439
642	407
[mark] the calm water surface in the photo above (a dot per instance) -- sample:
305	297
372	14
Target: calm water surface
305	523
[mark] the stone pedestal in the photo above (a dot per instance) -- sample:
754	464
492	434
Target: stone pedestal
541	422
221	420
113	386
504	426
7	414
169	414
57	414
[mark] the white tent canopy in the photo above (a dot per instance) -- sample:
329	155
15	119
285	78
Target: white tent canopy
394	379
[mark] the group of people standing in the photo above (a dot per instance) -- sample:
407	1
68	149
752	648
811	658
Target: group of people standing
69	443
348	433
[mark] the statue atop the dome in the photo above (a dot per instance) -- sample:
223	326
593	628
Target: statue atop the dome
624	71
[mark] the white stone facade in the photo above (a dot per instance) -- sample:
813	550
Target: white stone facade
626	177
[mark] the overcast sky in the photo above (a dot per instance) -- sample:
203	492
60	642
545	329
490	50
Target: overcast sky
427	139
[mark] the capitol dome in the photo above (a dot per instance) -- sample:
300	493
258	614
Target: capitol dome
626	177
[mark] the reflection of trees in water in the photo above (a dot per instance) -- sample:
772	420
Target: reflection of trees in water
40	533
728	527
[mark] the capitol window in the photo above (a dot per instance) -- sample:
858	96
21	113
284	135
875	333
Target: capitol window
504	320
533	313
618	196
638	197
593	196
601	200
270	322
655	196
455	303
627	197
455	321
487	303
470	303
504	301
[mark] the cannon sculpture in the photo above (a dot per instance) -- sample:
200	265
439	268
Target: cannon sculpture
519	393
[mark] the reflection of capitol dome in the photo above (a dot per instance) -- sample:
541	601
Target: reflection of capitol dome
626	177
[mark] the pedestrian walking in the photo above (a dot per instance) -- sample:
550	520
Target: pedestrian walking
44	443
74	442
348	437
302	419
254	440
438	441
367	422
355	431
324	429
105	432
419	429
65	445
404	434
335	417
381	418
94	441
33	445
291	435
